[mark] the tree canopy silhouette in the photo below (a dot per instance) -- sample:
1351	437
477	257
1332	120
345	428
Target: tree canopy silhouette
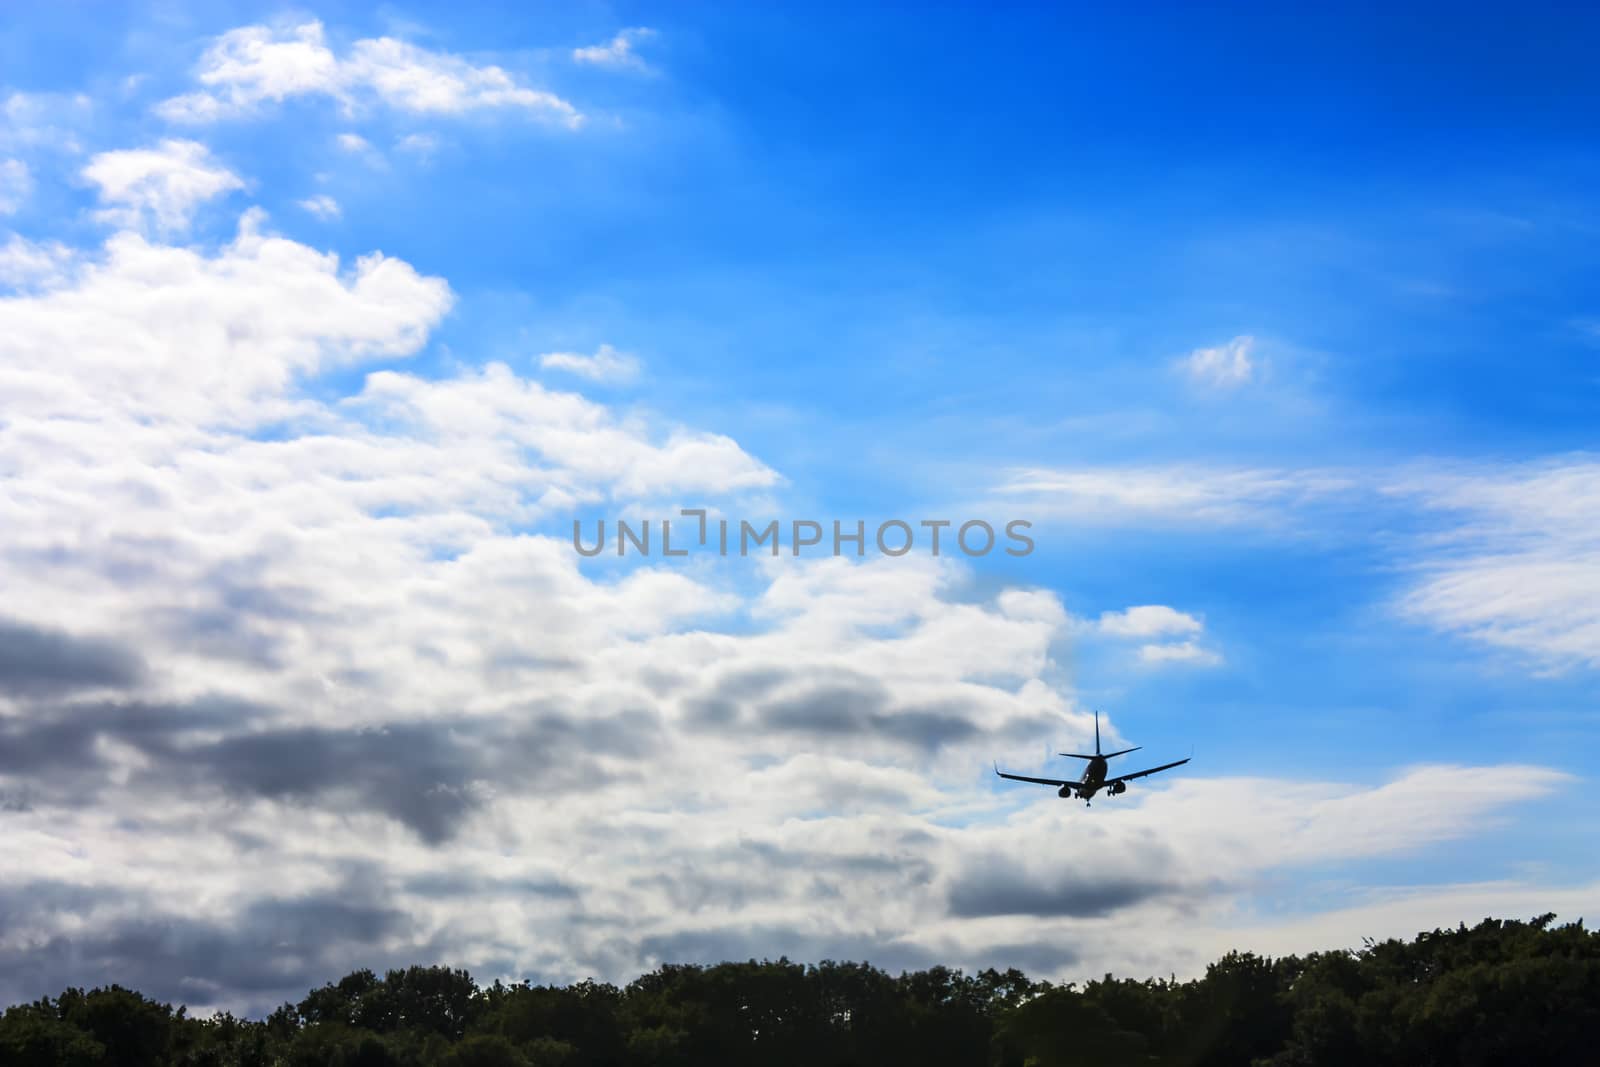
1499	993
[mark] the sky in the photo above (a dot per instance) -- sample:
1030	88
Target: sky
321	327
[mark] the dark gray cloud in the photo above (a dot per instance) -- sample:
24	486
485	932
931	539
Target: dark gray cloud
37	661
866	709
1086	885
834	708
841	705
268	951
1077	897
926	727
429	775
723	705
418	773
56	745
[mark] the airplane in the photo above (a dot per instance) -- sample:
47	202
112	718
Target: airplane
1094	775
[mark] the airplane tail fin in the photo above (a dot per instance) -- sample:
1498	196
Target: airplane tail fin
1100	754
1085	755
1097	753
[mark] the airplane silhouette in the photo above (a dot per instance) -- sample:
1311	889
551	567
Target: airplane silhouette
1094	775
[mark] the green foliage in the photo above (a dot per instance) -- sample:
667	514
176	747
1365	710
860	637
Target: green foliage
35	1036
1500	993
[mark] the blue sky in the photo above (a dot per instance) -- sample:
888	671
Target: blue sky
1281	324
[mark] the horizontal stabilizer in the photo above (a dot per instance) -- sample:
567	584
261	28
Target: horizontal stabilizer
1106	755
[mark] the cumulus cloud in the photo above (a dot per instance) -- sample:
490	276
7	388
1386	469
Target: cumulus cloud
323	641
617	52
327	631
251	66
145	329
1226	366
606	365
161	185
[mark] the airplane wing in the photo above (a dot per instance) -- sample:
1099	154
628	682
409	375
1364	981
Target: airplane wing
1039	781
1152	770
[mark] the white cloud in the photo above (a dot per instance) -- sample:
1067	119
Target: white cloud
27	264
1179	652
254	65
322	206
1175	493
606	365
1149	620
1515	563
16	185
363	580
498	414
149	330
369	572
161	186
1184	864
353	142
1153	623
617	52
1520	568
43	122
1226	366
1399	913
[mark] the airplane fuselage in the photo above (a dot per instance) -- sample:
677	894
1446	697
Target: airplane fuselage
1090	783
1094	776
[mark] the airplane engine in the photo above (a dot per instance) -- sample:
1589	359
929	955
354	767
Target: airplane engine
1118	787
1065	791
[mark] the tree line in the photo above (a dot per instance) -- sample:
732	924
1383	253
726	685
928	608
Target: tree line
1501	992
